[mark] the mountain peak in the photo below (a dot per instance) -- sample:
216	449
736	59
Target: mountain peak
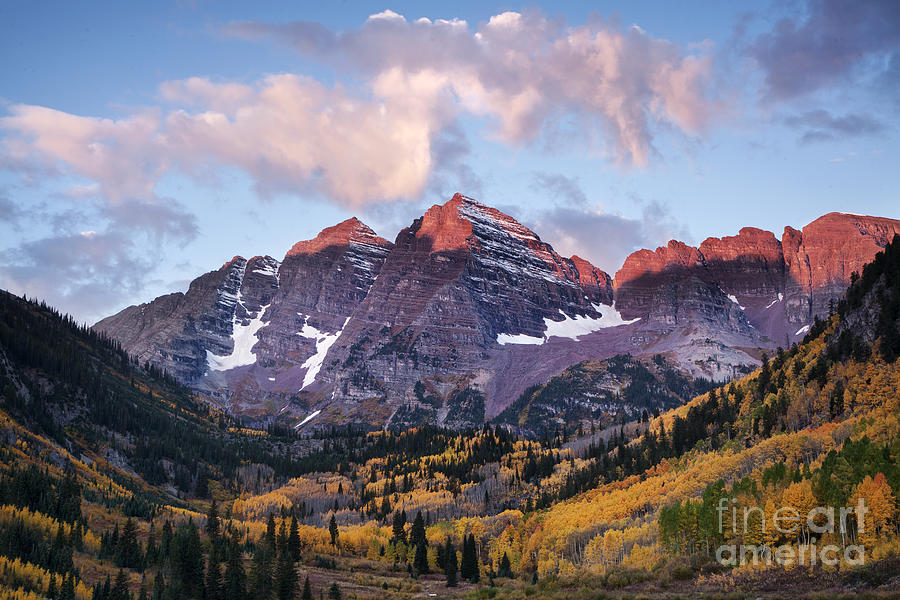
449	226
343	234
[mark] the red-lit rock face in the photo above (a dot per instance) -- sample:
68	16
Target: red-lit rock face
350	231
781	286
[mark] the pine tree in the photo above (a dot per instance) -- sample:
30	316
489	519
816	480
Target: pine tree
450	563
294	539
467	564
261	571
468	568
399	526
475	576
417	531
281	541
51	587
235	578
270	530
334	592
505	569
213	579
120	589
159	587
417	538
307	590
333	530
67	590
212	522
128	552
286	577
420	562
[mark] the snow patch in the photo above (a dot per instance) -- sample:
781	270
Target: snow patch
522	338
776	300
802	330
735	300
244	337
324	341
571	327
309	418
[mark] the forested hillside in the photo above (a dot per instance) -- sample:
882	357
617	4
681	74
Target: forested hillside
117	484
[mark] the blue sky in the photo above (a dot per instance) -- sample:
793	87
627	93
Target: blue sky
144	144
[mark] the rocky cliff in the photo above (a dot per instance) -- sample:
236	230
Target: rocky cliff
453	321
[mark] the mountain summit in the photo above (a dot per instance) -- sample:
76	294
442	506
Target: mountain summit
468	307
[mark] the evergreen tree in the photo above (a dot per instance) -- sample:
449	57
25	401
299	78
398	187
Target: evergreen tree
213	579
151	554
281	541
270	530
334	592
261	571
235	578
420	542
67	590
159	586
307	590
333	530
475	576
294	539
128	552
212	522
286	577
399	526
468	564
417	531
120	589
505	569
187	562
51	587
450	563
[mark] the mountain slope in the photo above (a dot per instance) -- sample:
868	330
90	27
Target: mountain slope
817	424
468	309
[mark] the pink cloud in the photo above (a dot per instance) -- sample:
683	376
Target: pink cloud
524	70
379	142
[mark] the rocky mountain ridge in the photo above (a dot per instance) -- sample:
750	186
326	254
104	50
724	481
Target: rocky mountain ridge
467	308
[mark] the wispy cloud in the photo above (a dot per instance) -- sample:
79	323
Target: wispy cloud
576	226
821	126
86	272
830	42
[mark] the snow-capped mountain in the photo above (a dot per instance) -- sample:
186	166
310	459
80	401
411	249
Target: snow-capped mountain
468	308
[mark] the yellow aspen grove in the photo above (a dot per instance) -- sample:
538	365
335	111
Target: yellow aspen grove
880	507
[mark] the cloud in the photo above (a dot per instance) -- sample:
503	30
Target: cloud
10	212
87	272
387	135
105	236
293	133
832	41
821	126
605	239
560	187
522	71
